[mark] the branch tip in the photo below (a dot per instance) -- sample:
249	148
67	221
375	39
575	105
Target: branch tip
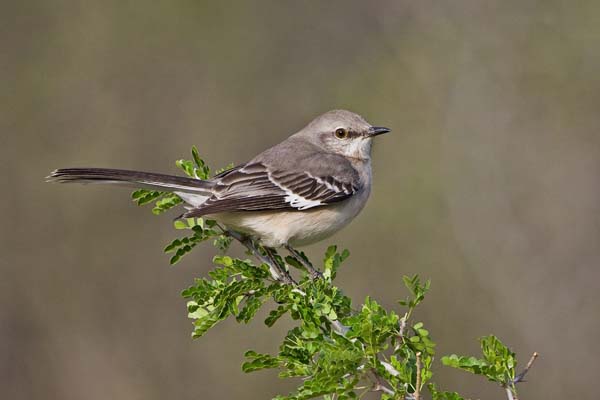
520	377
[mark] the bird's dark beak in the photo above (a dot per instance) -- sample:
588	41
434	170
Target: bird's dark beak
377	130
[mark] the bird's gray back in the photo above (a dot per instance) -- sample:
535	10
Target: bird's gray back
298	154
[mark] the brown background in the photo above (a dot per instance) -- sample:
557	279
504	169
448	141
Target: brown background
489	184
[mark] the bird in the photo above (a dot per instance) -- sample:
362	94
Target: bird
296	193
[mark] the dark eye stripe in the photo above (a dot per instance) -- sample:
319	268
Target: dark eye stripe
349	134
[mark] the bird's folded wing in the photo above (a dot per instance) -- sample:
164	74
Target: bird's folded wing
255	187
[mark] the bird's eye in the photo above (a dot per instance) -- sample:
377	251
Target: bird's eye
341	133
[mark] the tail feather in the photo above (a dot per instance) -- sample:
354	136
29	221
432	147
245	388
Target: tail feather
136	179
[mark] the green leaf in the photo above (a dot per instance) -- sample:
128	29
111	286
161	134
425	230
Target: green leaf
439	395
223	242
294	263
417	290
251	307
199	162
498	363
258	361
373	326
138	193
202	325
172	246
179	224
180	252
167	202
226	168
143	196
187	167
333	260
195	168
275	314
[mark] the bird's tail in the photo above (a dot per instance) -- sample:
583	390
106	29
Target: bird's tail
138	179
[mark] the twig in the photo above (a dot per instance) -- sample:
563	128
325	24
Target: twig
339	328
402	326
381	388
511	393
417	393
521	376
378	385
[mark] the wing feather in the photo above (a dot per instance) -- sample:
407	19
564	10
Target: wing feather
254	187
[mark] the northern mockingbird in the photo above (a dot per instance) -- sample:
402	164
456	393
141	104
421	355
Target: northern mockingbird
296	193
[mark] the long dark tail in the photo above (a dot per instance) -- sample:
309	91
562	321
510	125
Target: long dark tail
136	179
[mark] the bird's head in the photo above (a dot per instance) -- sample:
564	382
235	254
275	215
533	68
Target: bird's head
343	132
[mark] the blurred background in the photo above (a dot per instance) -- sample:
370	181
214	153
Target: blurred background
489	184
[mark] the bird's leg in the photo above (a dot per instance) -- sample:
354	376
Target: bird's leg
312	271
254	249
277	270
285	275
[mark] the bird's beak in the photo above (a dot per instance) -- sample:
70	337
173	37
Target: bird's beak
377	130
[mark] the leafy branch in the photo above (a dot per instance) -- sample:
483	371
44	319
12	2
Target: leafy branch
339	352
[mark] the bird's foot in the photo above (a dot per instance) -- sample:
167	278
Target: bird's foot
312	271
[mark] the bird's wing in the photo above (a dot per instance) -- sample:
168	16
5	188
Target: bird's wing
256	187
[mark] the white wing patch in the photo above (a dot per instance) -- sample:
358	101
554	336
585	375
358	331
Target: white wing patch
300	202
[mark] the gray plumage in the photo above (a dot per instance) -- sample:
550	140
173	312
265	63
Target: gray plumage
297	192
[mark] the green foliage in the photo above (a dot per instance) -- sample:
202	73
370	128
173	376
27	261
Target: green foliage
163	200
201	230
417	291
332	262
338	351
439	395
196	167
143	196
498	363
